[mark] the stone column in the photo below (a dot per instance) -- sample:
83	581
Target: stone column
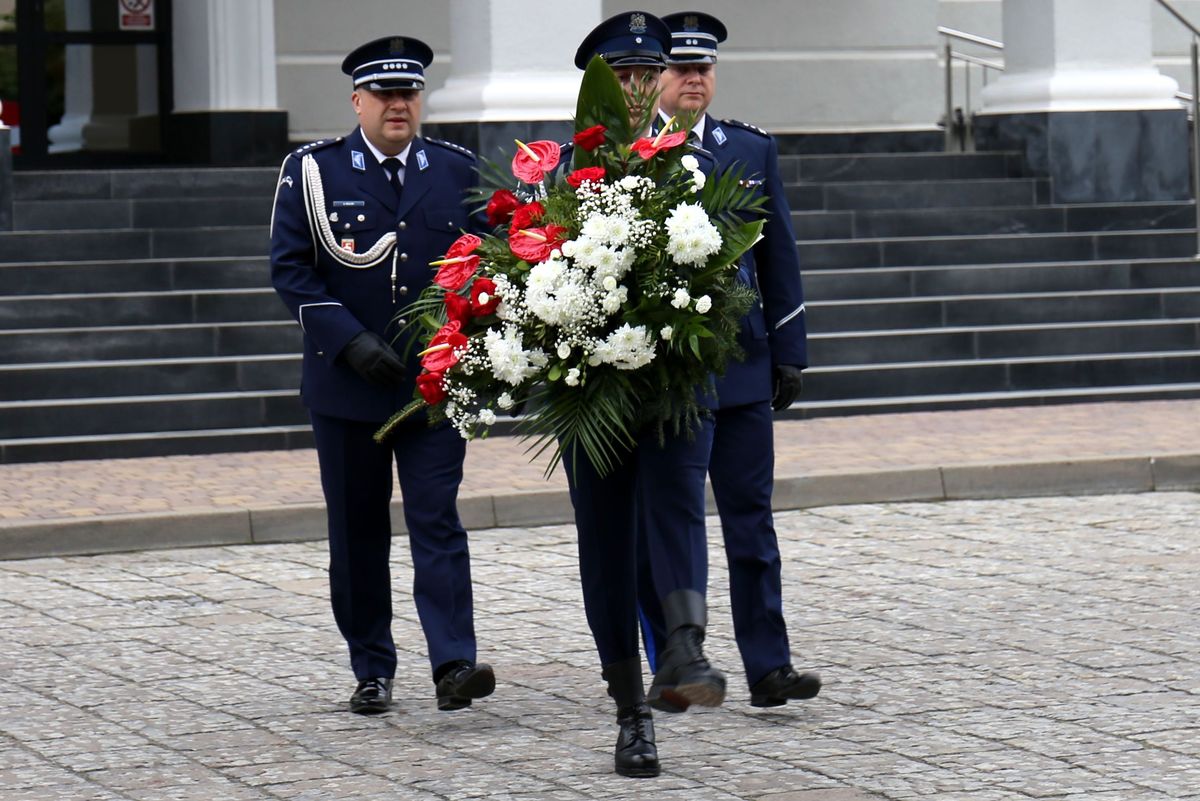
1082	97
508	80
226	110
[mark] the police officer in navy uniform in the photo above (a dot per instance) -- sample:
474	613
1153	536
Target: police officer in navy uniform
662	482
774	339
357	220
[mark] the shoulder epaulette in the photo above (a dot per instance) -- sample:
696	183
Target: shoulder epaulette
450	146
317	145
747	126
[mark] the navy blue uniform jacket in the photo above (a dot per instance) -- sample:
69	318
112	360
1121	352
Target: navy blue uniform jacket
346	256
773	332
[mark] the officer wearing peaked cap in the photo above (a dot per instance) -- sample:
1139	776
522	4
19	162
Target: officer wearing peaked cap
357	220
773	336
660	482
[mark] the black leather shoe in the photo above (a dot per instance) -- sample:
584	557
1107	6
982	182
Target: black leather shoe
684	676
463	683
372	696
782	684
636	754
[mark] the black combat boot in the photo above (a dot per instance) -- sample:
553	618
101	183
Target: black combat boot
684	676
636	755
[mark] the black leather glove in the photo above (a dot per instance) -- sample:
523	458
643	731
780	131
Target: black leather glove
373	358
789	382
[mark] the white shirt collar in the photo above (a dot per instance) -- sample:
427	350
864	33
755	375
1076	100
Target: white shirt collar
379	156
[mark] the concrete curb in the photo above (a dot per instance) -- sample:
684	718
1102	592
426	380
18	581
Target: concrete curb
306	522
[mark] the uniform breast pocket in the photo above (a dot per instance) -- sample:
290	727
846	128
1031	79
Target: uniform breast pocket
349	221
448	220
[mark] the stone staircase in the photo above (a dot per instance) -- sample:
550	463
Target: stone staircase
137	318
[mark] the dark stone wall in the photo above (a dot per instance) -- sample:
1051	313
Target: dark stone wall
227	138
1097	156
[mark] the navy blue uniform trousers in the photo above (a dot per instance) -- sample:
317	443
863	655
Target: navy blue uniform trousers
742	488
356	475
664	484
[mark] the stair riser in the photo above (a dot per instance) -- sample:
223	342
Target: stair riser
138	417
986	250
116	245
153	379
46	215
868	316
149	276
916	195
923	167
1000	279
871	382
984	344
161	343
968	222
141	184
140	310
166	445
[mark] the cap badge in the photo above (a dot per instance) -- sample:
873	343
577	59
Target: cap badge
637	23
396	46
691	23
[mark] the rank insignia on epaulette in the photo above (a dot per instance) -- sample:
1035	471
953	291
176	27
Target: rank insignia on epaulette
357	161
719	136
422	160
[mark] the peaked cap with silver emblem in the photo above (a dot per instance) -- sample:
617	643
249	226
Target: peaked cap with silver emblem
393	62
694	37
631	39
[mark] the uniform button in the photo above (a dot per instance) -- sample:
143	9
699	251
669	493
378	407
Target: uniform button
403	290
347	226
320	353
402	225
362	218
403	257
450	224
401	321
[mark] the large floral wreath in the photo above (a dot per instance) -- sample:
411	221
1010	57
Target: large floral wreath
606	298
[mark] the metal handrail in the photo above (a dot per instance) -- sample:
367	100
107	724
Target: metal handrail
1182	19
951	55
1195	101
970	37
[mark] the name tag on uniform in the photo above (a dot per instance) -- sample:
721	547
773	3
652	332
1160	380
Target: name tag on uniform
357	161
338	203
719	136
422	162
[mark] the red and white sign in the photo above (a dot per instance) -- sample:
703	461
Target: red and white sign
136	15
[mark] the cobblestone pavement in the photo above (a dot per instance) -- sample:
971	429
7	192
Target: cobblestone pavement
980	650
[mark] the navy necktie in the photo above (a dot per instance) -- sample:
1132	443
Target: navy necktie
393	166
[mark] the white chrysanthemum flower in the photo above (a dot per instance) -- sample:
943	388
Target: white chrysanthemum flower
698	180
629	183
572	379
627	348
505	401
487	416
508	358
666	331
691	236
568	248
703	304
681	299
564	350
690	162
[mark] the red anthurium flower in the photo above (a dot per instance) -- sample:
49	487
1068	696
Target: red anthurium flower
459	265
532	161
648	147
431	389
501	207
590	138
526	217
483	297
458	308
440	355
534	244
594	174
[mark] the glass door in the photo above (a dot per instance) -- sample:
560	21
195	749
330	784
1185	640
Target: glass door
85	82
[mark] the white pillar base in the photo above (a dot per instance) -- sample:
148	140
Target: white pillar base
1081	90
